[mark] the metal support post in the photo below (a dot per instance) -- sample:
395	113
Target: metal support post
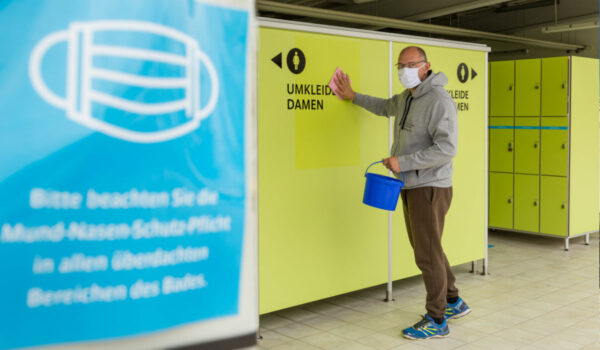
388	294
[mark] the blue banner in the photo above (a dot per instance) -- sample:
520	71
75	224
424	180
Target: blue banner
123	167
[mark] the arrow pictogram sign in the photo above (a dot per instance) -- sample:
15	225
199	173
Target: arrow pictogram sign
277	60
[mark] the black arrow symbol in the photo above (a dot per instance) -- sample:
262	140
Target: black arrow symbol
277	59
473	73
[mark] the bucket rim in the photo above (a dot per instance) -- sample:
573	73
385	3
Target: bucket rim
381	161
384	179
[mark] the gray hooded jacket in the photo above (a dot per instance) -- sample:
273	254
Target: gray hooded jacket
425	131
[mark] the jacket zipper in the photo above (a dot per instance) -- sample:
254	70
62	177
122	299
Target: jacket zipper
406	109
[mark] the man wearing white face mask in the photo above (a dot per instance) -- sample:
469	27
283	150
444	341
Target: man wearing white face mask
425	141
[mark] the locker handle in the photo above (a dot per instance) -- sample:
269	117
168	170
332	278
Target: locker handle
510	148
510	201
562	86
535	145
510	88
535	203
564	146
537	86
563	206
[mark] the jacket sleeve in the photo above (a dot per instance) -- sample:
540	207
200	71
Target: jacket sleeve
443	130
386	107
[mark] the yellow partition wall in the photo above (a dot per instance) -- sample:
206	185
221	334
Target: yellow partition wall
464	232
316	238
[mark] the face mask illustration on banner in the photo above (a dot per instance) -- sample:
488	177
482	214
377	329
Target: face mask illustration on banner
83	76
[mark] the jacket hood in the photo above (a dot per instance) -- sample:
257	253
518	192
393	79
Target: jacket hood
432	81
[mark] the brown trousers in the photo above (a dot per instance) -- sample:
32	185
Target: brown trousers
425	209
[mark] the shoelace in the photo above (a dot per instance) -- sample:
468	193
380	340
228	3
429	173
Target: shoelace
449	309
421	323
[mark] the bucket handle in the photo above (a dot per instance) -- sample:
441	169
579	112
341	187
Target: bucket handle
381	161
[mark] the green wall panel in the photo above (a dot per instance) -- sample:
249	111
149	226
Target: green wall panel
527	201
527	88
463	238
553	208
316	238
502	89
555	85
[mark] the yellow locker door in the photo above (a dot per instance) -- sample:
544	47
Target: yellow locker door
501	144
555	80
555	146
527	145
527	198
553	208
527	84
502	92
501	200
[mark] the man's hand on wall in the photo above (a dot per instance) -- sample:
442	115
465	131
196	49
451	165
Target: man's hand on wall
344	89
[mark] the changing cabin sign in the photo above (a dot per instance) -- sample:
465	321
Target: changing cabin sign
302	96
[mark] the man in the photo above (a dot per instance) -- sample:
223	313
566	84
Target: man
425	141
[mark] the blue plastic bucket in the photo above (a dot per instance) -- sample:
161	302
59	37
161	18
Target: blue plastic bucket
382	191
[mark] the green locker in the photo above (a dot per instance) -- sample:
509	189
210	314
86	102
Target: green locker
527	88
555	146
501	200
502	91
553	207
527	199
555	82
555	149
527	145
501	144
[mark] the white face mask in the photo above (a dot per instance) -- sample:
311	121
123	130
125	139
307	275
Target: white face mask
409	77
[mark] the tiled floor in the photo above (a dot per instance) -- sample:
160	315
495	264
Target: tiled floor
537	296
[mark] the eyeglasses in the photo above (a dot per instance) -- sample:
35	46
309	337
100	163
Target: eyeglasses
409	64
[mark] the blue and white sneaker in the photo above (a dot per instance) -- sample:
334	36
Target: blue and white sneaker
427	328
456	310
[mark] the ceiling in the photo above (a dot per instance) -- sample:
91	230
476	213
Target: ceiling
514	18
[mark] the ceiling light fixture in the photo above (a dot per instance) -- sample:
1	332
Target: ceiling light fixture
568	27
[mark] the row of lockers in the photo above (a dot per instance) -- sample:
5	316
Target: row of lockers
529	203
543	145
531	87
529	145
